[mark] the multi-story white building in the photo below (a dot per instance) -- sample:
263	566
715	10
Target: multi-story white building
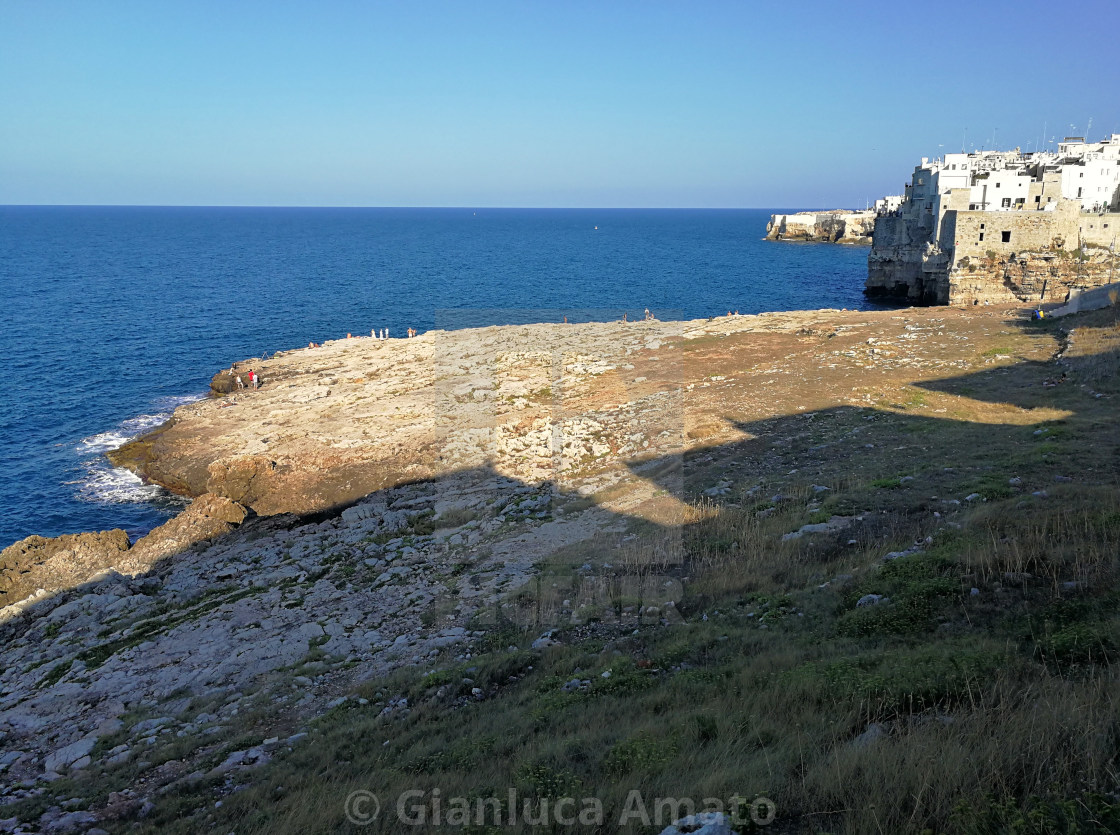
1088	172
974	225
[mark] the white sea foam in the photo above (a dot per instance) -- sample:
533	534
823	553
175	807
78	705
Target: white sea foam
114	485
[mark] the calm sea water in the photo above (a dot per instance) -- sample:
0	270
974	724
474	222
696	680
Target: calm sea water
113	316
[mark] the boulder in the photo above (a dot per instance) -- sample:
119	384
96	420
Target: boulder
241	478
219	507
224	383
207	517
72	753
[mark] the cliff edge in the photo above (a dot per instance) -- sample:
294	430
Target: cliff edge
838	226
555	501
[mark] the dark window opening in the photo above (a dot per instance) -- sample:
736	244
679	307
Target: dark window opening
981	237
1006	237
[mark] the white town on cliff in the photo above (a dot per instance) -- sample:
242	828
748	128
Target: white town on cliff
986	227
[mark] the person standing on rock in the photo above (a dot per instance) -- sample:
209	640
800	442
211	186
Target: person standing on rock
237	382
252	378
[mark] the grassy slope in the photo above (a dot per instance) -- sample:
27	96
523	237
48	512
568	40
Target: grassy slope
998	711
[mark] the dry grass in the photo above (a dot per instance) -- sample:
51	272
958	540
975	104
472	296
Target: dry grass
942	710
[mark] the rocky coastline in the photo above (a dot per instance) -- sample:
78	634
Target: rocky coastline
367	505
836	226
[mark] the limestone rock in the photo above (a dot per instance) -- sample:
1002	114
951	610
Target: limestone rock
242	478
219	507
70	754
60	563
207	517
835	226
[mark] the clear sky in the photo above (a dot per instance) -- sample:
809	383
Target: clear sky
531	103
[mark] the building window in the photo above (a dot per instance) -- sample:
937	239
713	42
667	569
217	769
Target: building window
981	225
981	237
1006	237
1006	203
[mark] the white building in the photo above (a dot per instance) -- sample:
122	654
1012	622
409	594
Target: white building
1088	172
1091	173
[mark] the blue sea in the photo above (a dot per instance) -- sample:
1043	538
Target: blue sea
113	316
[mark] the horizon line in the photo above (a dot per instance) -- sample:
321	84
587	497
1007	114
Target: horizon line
454	208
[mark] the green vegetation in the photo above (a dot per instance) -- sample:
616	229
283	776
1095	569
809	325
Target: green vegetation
945	662
998	351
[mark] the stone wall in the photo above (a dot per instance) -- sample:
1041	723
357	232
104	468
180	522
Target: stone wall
1016	257
1027	277
837	227
1032	257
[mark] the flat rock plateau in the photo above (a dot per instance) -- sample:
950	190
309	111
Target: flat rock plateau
377	502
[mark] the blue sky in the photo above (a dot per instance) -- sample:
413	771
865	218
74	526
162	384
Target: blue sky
533	103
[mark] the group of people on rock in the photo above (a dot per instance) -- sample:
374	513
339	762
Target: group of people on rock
649	317
254	379
376	333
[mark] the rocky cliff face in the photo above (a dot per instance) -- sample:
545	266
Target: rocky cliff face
836	227
917	273
36	567
1026	277
903	266
990	257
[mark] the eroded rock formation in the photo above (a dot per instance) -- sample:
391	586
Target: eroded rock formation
838	226
38	563
38	566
